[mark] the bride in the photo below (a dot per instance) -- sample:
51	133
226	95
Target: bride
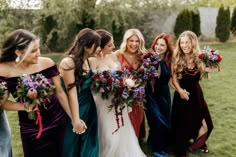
122	143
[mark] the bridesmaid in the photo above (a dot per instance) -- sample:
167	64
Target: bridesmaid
81	138
21	55
129	56
191	119
158	102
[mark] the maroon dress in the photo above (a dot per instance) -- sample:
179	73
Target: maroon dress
50	143
187	116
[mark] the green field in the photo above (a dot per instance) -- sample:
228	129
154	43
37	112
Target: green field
220	94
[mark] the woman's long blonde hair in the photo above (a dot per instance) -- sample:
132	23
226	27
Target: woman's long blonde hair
178	57
127	35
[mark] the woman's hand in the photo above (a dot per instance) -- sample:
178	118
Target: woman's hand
208	69
184	94
79	127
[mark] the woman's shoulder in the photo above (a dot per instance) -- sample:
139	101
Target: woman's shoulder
5	68
46	62
67	63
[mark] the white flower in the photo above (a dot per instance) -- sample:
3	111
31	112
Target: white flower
130	83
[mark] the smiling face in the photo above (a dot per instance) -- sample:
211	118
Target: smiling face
186	45
33	54
133	44
160	46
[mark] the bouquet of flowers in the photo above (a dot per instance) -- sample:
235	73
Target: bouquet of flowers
102	83
3	89
210	58
133	93
34	91
150	66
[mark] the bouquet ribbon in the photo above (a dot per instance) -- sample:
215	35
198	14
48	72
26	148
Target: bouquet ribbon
39	123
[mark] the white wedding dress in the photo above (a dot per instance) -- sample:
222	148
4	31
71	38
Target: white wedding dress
123	143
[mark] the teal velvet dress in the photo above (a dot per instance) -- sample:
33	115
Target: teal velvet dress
86	144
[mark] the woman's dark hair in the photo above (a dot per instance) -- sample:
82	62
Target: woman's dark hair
17	40
86	38
169	43
105	37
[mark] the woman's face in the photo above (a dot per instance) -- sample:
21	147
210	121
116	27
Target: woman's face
186	45
108	48
32	57
133	44
161	46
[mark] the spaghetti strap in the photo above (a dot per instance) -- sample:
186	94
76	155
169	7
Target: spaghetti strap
88	64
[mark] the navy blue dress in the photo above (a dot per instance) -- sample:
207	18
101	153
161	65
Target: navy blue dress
158	110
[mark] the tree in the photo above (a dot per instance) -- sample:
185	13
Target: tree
223	24
233	21
184	22
196	22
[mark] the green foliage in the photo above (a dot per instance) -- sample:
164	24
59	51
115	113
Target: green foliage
233	21
184	22
196	22
223	24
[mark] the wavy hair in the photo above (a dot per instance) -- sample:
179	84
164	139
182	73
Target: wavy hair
127	35
179	60
169	51
86	38
19	39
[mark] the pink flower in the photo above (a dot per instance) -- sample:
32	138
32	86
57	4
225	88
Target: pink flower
32	93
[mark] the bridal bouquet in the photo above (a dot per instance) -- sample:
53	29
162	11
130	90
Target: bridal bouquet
3	89
102	83
34	91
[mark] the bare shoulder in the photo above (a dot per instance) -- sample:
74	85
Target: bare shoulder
67	63
46	62
93	63
5	68
118	54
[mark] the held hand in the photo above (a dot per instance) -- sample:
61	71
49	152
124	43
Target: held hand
30	108
208	69
79	127
184	94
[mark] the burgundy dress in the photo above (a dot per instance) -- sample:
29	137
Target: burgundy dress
137	114
187	116
50	143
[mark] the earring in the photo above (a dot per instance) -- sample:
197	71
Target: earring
17	59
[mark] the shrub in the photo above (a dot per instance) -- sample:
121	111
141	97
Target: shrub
222	30
233	21
183	22
196	22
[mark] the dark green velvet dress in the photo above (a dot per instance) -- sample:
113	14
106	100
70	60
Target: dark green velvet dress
85	145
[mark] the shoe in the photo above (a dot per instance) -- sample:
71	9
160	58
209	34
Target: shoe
204	148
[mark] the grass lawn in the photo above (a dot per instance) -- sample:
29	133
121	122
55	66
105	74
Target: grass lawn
220	94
